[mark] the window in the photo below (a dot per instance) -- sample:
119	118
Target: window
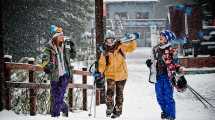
120	15
142	15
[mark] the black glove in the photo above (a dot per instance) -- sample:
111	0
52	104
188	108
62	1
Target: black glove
99	79
148	62
46	70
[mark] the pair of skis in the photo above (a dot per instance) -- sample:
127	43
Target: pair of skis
93	99
93	96
152	72
127	38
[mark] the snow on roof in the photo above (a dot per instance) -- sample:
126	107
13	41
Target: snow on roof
131	0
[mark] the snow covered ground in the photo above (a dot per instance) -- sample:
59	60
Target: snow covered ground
139	97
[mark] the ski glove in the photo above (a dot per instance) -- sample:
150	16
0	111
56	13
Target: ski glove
99	79
98	75
148	62
48	68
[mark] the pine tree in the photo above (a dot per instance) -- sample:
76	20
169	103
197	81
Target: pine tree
26	27
26	23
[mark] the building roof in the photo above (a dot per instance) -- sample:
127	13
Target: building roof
131	1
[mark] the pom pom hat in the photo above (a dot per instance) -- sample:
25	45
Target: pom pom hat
169	35
57	30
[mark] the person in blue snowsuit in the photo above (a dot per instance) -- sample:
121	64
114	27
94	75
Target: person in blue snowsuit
163	54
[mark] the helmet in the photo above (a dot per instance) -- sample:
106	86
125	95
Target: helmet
109	34
180	83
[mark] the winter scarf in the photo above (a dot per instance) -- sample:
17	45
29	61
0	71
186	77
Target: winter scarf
60	60
165	62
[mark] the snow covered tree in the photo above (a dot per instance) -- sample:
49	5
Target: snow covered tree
26	23
26	28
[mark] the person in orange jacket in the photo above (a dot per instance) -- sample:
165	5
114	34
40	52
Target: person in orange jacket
113	66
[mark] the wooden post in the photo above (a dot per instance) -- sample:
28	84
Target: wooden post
33	93
1	83
84	81
1	68
99	37
70	92
99	21
7	58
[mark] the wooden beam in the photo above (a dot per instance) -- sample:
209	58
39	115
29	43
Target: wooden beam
1	70
7	75
27	85
26	66
43	85
84	82
84	86
1	65
99	21
80	72
99	36
33	92
1	83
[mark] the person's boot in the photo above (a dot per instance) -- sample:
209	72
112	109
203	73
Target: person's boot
65	110
108	112
53	114
163	115
170	118
114	115
66	114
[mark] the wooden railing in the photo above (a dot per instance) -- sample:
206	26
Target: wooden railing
33	86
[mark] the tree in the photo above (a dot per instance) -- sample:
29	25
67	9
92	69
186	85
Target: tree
26	23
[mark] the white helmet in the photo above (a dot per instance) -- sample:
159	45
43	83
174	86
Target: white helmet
109	34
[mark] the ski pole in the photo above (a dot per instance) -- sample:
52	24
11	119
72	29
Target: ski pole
95	100
201	96
91	102
150	73
197	97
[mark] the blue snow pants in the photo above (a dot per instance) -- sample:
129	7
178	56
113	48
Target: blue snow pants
58	89
164	94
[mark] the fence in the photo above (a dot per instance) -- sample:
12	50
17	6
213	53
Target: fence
33	86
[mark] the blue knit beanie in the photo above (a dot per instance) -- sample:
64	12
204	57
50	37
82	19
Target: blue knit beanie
169	35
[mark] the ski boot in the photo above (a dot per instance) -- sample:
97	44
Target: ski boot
65	114
163	116
65	110
170	118
114	115
108	112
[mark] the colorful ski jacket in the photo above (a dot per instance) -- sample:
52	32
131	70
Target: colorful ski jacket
56	61
116	67
164	56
